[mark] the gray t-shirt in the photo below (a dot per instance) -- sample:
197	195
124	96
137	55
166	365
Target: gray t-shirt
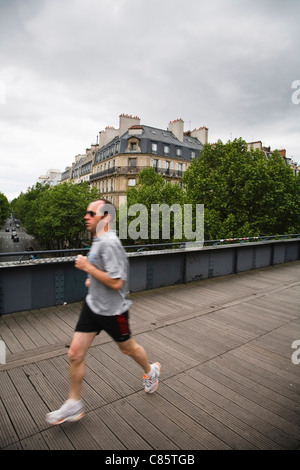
108	254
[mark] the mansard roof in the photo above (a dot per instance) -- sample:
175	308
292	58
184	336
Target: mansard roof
165	136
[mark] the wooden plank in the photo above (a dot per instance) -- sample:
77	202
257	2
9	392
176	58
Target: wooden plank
264	425
79	436
46	386
146	407
160	351
271	364
11	342
125	432
116	383
37	339
102	434
214	343
223	431
162	335
45	333
19	416
56	439
30	398
145	428
95	379
246	382
204	438
7	432
35	442
18	332
116	369
237	421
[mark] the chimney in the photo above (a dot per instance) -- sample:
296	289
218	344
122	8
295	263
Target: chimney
107	135
176	127
201	134
282	152
126	121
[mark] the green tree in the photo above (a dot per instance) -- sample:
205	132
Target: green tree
55	215
60	214
244	193
4	208
152	192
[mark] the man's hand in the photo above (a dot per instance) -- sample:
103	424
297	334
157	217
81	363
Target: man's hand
82	263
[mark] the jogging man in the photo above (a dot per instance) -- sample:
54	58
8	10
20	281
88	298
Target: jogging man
105	308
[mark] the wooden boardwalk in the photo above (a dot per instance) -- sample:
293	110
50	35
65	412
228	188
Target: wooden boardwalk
228	380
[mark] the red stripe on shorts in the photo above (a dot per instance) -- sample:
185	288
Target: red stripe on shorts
123	325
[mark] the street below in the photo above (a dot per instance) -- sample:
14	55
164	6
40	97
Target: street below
8	245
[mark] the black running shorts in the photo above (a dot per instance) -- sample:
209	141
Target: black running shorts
116	326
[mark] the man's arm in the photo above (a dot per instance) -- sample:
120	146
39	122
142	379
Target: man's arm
83	264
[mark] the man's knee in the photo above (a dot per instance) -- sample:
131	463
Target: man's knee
79	345
75	354
128	347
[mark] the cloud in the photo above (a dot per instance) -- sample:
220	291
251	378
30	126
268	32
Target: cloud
70	67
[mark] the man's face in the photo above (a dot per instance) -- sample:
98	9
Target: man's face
93	216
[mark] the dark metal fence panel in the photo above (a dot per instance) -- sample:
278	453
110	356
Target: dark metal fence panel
44	283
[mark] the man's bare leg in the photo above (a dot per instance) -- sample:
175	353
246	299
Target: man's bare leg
137	352
78	349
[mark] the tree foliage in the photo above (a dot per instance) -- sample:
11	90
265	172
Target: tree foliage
152	192
4	208
55	215
244	193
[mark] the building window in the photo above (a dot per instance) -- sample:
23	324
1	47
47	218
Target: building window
132	161
178	152
154	147
166	150
166	167
131	182
154	164
193	154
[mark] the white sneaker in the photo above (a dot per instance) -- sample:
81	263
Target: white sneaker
71	410
151	380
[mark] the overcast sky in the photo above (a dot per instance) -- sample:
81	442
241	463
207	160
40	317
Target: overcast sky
69	68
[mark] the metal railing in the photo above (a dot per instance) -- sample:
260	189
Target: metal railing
130	170
45	278
62	254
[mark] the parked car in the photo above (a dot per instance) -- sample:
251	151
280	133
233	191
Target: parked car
16	238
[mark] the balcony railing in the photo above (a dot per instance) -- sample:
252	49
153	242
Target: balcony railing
134	170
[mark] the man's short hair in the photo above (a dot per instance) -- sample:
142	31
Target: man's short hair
108	208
